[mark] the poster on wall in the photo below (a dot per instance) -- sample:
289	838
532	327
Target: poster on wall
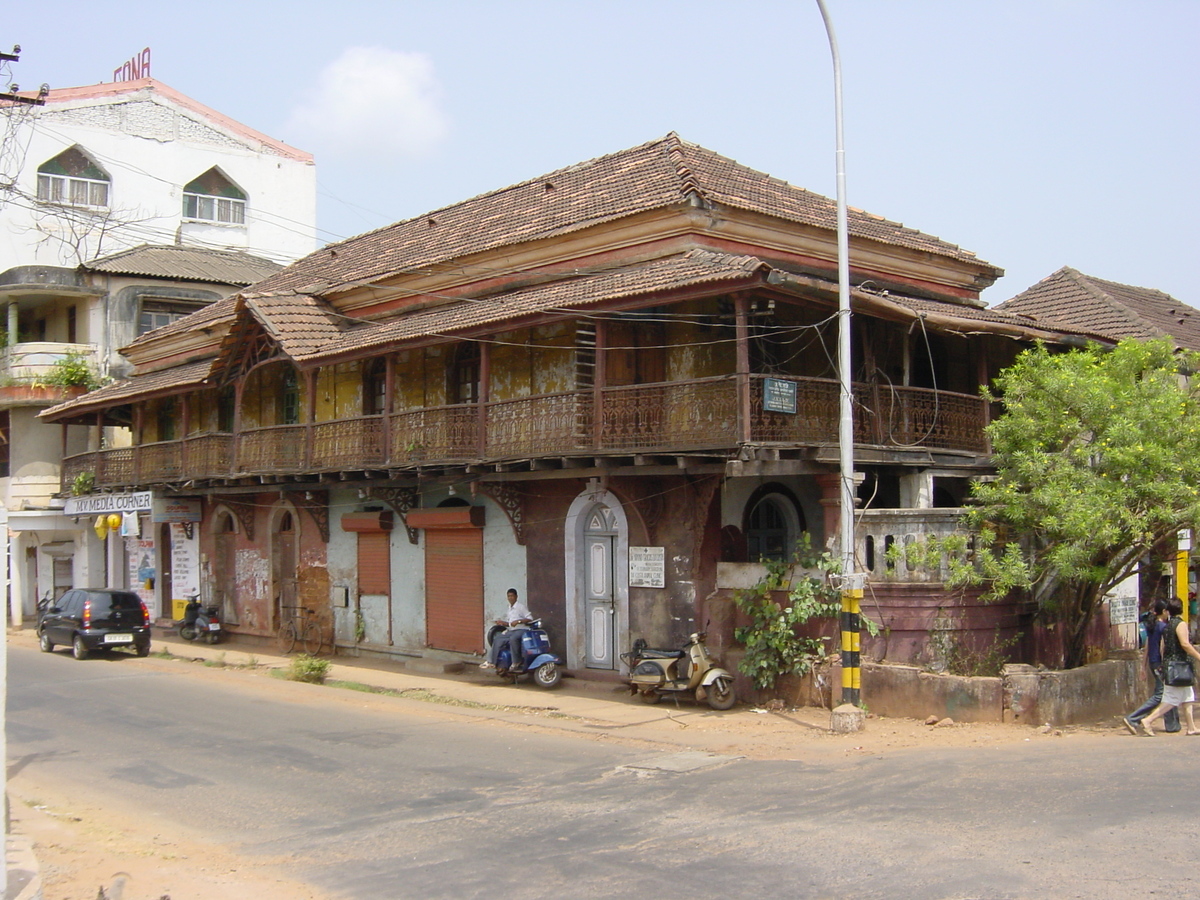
185	562
647	567
139	553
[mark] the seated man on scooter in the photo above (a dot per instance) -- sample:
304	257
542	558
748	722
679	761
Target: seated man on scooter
517	616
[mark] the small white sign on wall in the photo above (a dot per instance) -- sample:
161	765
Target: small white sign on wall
647	567
1122	609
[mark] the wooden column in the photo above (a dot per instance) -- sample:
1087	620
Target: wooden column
745	410
599	382
235	444
185	424
485	377
389	384
139	438
310	413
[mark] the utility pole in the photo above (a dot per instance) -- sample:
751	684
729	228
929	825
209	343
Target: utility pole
851	582
11	94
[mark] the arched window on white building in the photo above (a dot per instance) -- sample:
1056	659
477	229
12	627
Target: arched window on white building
214	198
73	179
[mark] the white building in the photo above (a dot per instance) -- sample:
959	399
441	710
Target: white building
123	207
107	167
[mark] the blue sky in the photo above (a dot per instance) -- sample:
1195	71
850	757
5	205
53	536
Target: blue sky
1036	133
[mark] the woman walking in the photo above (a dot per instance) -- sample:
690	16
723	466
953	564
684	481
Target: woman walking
1177	647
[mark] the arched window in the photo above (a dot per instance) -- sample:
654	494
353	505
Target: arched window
73	179
773	525
214	198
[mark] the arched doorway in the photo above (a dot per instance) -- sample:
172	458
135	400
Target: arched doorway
284	562
597	566
225	567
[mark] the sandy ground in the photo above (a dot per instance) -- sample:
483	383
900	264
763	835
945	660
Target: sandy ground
82	849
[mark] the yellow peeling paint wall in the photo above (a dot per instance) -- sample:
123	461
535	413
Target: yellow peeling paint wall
532	361
340	391
552	359
420	378
202	412
261	398
699	346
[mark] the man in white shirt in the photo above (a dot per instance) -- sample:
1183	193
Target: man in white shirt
516	617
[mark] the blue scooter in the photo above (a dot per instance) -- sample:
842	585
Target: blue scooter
536	658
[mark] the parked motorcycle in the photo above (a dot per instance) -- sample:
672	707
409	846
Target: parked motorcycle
536	658
653	673
200	623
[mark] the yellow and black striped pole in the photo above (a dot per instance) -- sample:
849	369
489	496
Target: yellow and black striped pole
851	624
1183	550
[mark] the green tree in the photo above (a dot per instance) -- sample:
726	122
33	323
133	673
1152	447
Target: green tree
774	643
1098	465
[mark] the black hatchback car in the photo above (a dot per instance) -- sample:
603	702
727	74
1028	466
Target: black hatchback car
87	619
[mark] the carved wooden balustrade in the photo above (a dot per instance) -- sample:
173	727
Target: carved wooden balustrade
434	434
111	468
677	415
160	461
348	443
533	426
208	455
276	449
669	417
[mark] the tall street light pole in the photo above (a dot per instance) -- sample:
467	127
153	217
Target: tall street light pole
852	588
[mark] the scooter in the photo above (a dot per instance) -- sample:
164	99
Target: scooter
200	623
653	673
536	658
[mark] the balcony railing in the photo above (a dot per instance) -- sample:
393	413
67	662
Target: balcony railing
669	417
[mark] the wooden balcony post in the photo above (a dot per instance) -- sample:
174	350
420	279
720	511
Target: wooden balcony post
185	428
139	423
235	449
389	404
599	383
745	410
310	415
985	407
485	378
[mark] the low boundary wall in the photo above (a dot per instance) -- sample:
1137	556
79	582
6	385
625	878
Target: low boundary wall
1023	694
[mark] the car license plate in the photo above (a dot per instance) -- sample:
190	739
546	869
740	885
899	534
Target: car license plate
213	626
118	639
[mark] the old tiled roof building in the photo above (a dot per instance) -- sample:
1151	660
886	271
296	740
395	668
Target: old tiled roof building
612	386
1069	298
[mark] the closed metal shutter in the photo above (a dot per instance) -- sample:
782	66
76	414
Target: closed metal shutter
454	589
374	566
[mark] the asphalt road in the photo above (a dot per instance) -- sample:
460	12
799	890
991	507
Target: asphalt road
385	798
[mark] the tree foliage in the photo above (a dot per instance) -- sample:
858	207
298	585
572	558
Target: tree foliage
774	644
1098	465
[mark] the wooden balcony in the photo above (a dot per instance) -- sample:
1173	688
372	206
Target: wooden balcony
701	415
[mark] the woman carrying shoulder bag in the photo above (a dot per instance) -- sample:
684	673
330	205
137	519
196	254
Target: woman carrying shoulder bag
1179	664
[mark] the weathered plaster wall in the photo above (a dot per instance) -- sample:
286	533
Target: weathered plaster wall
545	505
339	391
252	563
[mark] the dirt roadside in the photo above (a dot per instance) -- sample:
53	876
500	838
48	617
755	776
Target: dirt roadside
81	847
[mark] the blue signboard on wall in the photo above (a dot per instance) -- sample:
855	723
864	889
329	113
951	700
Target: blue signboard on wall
779	395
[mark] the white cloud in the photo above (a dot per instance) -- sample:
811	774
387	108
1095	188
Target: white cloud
371	98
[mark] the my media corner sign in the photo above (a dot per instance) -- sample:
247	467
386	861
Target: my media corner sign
93	504
779	395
